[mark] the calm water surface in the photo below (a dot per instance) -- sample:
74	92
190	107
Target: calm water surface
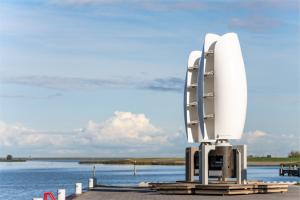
23	181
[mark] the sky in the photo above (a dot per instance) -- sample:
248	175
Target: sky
104	78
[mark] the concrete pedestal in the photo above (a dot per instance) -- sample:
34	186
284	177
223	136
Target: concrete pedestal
190	160
232	162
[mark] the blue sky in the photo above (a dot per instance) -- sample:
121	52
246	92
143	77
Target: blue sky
105	78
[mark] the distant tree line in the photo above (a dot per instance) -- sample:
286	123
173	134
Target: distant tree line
9	157
294	154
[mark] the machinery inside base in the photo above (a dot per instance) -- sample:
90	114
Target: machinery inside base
220	161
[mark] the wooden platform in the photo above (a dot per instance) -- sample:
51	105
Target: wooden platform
219	188
115	193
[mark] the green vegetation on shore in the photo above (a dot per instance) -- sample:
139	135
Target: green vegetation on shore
137	161
13	160
181	161
9	158
274	159
252	161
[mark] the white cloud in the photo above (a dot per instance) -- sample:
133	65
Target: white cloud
250	137
124	128
125	134
264	143
124	131
18	135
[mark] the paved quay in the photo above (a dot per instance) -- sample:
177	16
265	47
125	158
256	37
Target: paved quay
111	193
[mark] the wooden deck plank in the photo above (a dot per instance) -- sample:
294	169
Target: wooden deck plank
220	189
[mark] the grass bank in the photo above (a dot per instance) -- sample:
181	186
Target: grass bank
137	161
274	159
252	161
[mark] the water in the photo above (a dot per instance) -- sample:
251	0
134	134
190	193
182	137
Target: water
23	181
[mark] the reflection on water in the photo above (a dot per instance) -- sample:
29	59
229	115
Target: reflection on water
22	181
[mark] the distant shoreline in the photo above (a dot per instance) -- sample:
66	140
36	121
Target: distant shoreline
137	161
252	161
180	161
169	163
13	160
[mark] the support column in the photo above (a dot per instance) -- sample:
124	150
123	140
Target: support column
243	160
189	163
204	150
238	167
